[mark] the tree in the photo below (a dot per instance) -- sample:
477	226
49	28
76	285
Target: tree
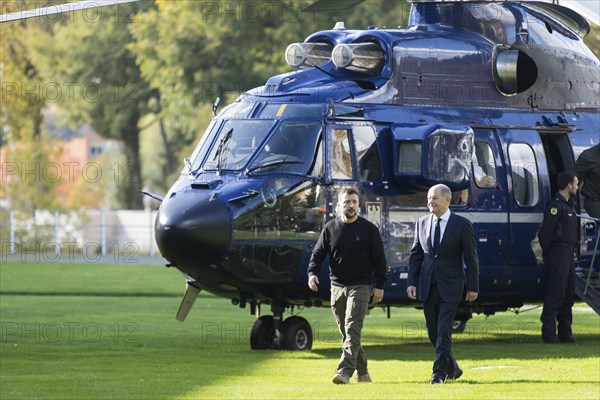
27	177
97	80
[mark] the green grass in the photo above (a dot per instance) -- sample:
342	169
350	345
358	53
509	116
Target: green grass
60	346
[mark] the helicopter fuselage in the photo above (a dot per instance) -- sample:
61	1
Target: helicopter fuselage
492	99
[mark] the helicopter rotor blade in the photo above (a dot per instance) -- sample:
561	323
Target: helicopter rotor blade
331	6
59	9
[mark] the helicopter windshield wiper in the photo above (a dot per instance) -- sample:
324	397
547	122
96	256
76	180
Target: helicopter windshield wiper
273	164
219	153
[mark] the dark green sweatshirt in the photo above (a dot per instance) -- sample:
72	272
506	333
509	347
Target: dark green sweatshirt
355	253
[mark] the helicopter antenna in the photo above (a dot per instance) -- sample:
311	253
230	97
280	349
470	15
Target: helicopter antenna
59	9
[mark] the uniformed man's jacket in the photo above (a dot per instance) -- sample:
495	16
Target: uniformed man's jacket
559	227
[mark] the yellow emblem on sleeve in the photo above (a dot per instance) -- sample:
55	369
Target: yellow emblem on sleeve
554	211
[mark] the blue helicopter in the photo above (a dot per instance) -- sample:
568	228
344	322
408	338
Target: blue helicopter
493	99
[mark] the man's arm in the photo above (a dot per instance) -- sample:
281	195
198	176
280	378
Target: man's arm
379	264
584	164
415	262
471	261
316	260
378	257
546	231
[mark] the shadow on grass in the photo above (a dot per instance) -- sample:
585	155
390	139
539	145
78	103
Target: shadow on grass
492	382
523	348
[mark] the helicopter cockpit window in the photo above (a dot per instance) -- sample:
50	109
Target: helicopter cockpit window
292	147
239	110
369	163
237	141
484	166
341	166
273	110
524	174
201	148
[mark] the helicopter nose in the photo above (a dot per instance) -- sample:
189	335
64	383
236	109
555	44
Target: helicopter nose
193	230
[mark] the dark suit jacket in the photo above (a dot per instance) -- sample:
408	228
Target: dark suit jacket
457	246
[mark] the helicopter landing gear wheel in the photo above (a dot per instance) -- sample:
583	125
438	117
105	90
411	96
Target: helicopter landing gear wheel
262	335
297	334
460	320
458	326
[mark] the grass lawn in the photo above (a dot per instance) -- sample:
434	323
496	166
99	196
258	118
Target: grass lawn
109	332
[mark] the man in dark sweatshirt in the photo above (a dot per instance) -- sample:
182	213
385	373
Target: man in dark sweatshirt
356	258
587	169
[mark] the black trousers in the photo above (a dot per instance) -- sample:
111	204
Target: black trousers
560	294
439	316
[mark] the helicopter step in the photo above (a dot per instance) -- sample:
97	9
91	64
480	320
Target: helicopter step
588	292
189	298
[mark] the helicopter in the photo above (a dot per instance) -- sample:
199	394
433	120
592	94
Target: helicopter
505	90
491	98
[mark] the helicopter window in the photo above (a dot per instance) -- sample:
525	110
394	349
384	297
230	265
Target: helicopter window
524	174
237	141
291	146
449	155
484	166
273	110
369	163
201	148
342	156
240	110
409	158
459	197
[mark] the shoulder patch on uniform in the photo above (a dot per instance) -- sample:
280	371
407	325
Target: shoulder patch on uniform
554	211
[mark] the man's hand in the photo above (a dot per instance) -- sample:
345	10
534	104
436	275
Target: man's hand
485	181
313	283
377	295
471	296
411	291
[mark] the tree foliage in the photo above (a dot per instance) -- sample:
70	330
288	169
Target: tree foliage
98	80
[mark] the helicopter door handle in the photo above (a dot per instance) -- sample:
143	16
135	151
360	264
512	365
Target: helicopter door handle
483	236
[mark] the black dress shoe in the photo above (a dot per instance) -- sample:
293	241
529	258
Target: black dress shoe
457	373
436	380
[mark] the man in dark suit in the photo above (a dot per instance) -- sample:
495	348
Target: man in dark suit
444	244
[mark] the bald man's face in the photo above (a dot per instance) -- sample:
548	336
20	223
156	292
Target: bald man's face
437	203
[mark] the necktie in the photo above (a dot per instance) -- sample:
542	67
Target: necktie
436	236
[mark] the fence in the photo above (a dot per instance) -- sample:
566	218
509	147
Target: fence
89	233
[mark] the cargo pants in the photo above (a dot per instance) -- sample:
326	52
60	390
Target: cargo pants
349	305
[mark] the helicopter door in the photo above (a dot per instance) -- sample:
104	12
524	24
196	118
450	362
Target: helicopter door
488	199
355	161
559	157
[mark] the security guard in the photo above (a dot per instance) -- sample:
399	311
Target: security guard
558	238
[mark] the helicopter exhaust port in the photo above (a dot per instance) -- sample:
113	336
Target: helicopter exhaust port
366	58
308	54
514	71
